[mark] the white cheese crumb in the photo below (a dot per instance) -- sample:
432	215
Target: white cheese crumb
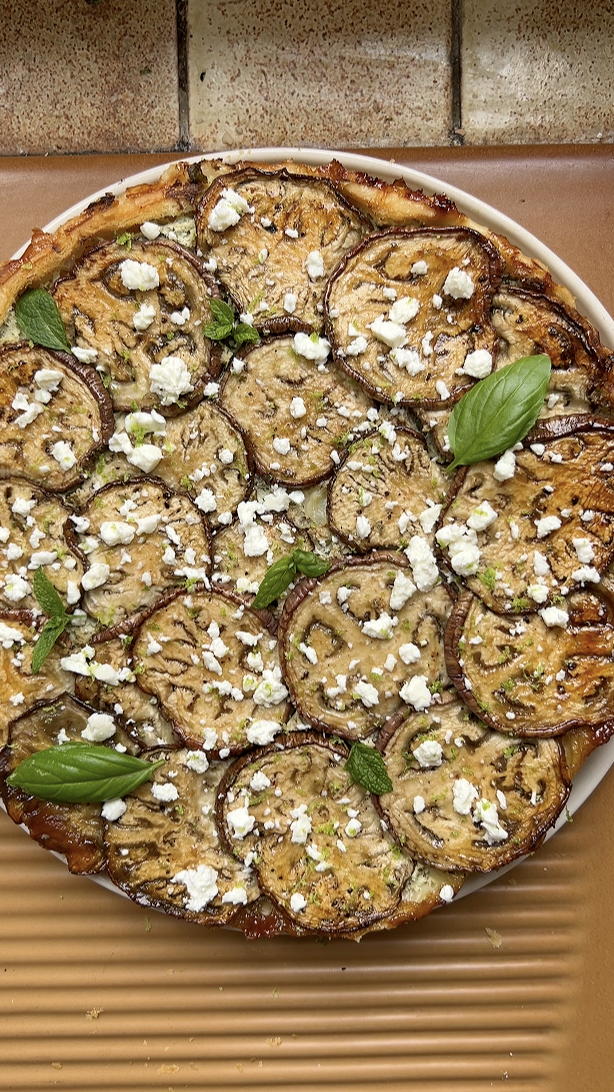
416	692
429	753
139	276
458	285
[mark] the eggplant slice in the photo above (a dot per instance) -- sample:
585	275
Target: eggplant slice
527	678
386	489
214	668
164	850
54	414
316	839
406	308
465	797
297	414
141	540
75	830
528	323
283	241
240	569
18	635
129	330
137	713
360	642
522	543
32	535
201	452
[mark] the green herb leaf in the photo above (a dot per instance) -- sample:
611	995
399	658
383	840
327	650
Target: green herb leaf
39	319
282	573
124	239
499	411
366	767
46	595
79	773
217	331
310	564
244	334
221	312
275	581
49	634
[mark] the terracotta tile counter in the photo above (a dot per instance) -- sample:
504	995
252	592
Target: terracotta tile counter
511	987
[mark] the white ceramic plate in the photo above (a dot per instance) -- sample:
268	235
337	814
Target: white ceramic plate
596	767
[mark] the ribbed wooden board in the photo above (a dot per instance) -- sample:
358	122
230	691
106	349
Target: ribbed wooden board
98	994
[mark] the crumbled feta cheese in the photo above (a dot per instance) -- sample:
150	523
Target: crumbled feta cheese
228	210
402	590
419	805
446	893
487	814
482	517
297	407
429	753
546	525
138	276
240	821
416	692
206	500
100	726
382	627
464	794
505	467
458	285
478	364
200	884
310	348
96	576
554	616
366	693
281	445
584	550
363	527
145	457
170	379
390	333
144	317
404	310
314	264
423	563
64	455
409	653
112	532
408	359
298	902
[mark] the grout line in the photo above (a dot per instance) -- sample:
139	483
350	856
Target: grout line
456	127
183	144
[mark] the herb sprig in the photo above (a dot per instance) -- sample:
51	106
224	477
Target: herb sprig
49	600
80	773
283	571
498	411
225	325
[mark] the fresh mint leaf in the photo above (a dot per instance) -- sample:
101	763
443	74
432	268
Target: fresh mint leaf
53	628
217	331
39	319
310	564
498	411
366	767
244	334
79	773
46	595
275	581
221	312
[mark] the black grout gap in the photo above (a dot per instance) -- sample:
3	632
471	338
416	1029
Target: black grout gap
457	135
183	144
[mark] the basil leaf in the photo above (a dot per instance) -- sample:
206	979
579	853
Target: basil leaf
79	773
309	564
46	595
366	767
217	331
499	411
275	581
39	319
244	334
49	634
221	312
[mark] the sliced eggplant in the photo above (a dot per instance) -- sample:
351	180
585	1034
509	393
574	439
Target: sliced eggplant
406	309
137	713
18	636
275	240
164	850
142	539
579	744
75	830
523	542
315	837
132	310
214	668
242	556
201	452
54	414
527	676
359	643
297	414
32	535
386	489
465	797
